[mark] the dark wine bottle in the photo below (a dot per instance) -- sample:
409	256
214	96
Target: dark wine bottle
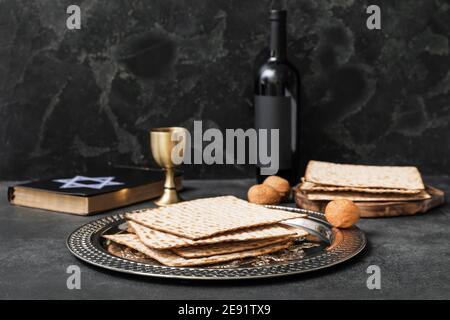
277	89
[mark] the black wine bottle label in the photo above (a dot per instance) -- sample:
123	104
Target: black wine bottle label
274	112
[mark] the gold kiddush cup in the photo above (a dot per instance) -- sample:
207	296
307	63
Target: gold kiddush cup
168	147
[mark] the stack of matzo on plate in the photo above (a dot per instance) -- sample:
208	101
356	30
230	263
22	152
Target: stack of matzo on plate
208	231
330	181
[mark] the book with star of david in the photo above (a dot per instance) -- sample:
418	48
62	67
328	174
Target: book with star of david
92	192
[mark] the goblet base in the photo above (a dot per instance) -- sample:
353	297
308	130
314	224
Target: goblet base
170	196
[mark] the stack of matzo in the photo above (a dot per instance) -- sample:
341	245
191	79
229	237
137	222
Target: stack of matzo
208	231
330	181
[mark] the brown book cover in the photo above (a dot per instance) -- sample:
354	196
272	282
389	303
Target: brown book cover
91	192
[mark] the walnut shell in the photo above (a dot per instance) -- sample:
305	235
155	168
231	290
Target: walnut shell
263	194
279	184
342	213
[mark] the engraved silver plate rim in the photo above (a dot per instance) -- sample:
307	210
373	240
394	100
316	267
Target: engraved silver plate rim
81	244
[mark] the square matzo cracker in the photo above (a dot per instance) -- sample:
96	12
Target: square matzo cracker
350	175
366	197
311	186
208	217
169	258
224	248
161	240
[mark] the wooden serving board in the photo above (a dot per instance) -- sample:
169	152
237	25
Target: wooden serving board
379	209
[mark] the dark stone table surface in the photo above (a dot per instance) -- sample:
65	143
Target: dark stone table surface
412	252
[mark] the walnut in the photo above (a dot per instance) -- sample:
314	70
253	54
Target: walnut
342	213
263	194
280	185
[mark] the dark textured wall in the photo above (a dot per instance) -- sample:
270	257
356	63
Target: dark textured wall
68	98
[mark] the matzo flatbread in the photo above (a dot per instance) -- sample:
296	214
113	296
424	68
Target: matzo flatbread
311	186
359	196
161	240
224	248
208	217
169	258
350	175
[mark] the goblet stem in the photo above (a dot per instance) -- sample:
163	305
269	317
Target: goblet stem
169	183
170	195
